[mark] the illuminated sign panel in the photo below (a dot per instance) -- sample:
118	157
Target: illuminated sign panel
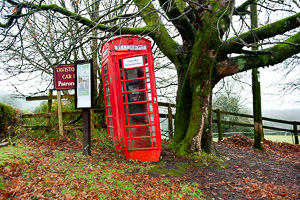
84	85
133	62
130	47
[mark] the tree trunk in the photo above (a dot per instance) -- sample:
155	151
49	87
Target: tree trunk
193	121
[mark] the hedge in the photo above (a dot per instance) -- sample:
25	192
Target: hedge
8	118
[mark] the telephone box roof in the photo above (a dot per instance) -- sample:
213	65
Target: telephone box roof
125	40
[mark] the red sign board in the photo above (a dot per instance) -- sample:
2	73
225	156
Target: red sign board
64	77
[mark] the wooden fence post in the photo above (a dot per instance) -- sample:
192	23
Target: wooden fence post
296	133
48	119
59	113
219	125
170	122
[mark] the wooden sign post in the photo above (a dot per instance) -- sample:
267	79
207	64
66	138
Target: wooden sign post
84	81
59	113
86	121
63	80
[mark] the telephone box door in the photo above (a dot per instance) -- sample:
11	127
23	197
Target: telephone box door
139	102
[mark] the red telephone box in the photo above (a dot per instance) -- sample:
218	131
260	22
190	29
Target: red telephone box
130	97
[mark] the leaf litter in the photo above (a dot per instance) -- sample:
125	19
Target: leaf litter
57	170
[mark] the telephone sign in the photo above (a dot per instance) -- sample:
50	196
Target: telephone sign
130	97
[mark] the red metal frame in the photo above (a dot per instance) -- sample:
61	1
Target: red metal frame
130	97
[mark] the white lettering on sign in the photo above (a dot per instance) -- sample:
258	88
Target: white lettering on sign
65	83
133	62
130	47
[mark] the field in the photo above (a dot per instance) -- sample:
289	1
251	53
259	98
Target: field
275	138
281	138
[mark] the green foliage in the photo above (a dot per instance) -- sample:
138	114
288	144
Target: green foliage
67	106
2	185
9	119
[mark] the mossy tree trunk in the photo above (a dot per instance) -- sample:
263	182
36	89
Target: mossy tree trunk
193	121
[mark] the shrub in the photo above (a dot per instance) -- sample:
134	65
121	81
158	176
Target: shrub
9	118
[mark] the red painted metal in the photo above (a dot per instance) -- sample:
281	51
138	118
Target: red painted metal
130	97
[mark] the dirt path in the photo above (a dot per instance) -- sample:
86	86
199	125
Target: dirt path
251	174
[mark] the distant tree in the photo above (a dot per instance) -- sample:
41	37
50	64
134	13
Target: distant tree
228	97
193	35
290	81
10	100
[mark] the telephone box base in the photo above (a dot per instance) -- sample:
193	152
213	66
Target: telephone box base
144	155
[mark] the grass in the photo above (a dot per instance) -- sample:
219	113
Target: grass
57	174
281	138
14	154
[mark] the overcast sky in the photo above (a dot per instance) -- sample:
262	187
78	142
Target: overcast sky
269	100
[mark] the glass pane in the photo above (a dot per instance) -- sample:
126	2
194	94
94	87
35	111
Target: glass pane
108	101
153	130
125	110
150	97
148	83
106	79
139	120
140	131
135	85
152	119
146	60
107	90
141	143
136	96
137	108
124	100
111	131
105	69
128	144
134	73
147	69
147	74
121	75
110	123
120	64
126	121
154	142
122	84
127	132
150	105
109	111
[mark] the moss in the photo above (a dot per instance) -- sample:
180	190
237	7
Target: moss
207	160
267	31
241	64
180	169
183	107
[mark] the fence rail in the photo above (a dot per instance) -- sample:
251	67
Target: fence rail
170	116
220	122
